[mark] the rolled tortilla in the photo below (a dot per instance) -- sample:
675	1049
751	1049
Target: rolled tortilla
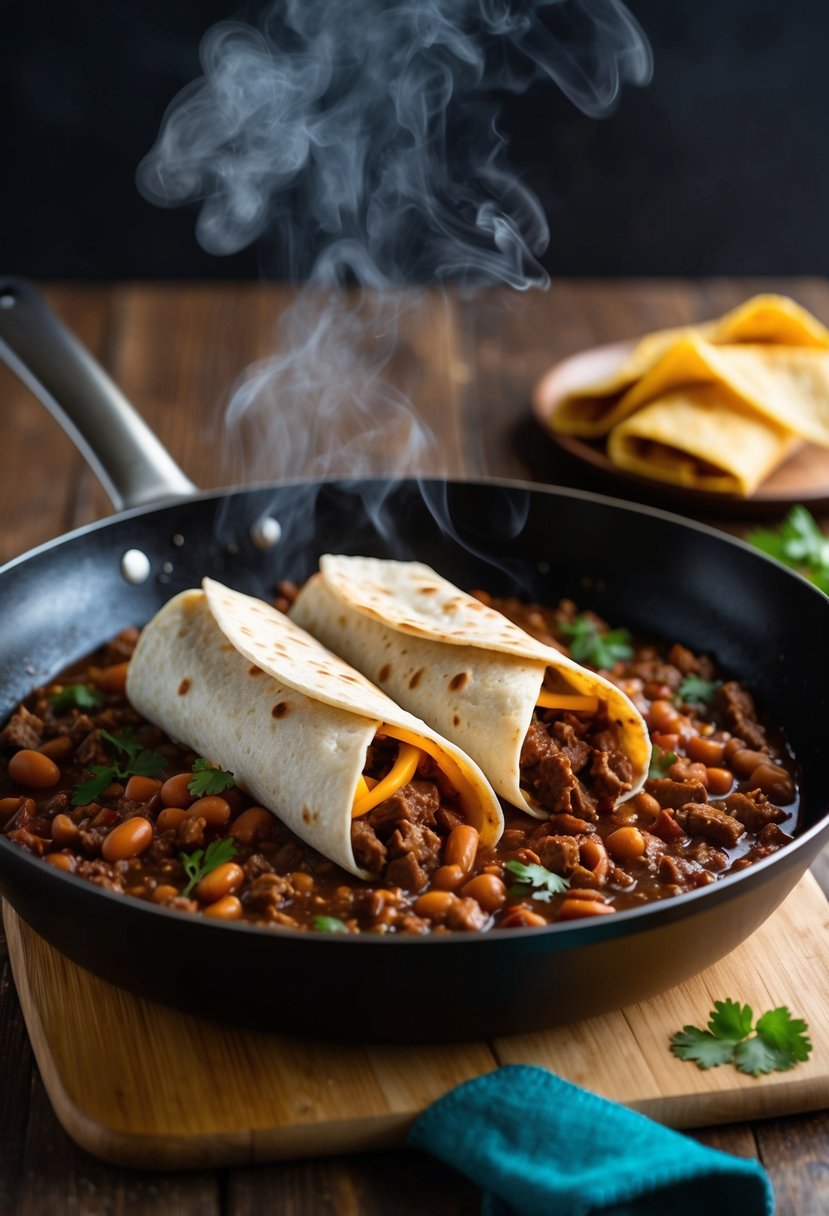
468	671
239	683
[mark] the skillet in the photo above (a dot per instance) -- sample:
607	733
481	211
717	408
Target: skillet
646	569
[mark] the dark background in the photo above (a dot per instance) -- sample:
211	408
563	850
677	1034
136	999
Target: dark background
719	166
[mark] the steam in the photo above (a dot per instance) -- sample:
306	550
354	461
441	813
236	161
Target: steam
358	142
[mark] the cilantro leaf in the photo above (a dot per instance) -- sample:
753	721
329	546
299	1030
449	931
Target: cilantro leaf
140	762
209	780
203	861
80	695
588	644
661	761
328	924
126	742
695	691
88	791
730	1020
799	544
779	1029
755	1056
545	883
705	1049
779	1041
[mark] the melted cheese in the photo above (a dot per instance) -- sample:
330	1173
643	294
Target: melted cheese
571	701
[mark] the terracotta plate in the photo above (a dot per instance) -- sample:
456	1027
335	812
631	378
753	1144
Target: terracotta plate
803	478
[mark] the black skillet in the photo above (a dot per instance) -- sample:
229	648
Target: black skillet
642	568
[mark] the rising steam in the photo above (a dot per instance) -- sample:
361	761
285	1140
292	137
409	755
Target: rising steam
359	140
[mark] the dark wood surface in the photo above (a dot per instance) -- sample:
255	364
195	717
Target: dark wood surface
468	367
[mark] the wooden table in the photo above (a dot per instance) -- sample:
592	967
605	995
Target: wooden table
468	367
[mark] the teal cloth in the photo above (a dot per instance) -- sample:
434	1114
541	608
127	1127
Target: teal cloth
540	1146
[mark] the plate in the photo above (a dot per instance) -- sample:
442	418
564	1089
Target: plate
803	478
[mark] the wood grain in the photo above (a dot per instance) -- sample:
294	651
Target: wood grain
171	1090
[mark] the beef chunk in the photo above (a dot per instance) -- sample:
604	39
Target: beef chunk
710	823
612	775
685	875
466	914
420	841
574	748
369	850
406	872
22	730
563	825
707	855
753	810
672	794
547	773
417	802
666	827
558	853
739	714
689	663
654	671
267	893
772	834
91	750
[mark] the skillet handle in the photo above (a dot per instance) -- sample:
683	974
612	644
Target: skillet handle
131	463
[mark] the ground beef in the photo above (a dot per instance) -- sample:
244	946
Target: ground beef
673	794
574	748
711	823
23	729
654	671
91	750
564	825
689	663
753	810
267	893
369	850
739	714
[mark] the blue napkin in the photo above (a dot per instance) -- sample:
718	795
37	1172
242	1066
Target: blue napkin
540	1146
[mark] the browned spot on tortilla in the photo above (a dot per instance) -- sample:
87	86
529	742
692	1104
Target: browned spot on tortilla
416	677
244	629
460	681
306	815
184	687
255	671
427	590
384	673
456	720
341	621
182	633
227	646
280	709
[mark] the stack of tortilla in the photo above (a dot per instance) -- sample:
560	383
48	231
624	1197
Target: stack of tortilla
716	406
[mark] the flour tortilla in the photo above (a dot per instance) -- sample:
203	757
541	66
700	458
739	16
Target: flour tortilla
243	686
468	671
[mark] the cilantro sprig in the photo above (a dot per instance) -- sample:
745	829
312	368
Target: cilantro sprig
137	762
543	884
589	644
203	861
661	761
799	544
778	1043
76	695
695	691
209	780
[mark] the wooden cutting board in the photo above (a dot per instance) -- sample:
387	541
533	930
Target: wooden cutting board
141	1085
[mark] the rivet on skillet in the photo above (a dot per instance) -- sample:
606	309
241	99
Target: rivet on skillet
266	532
135	566
178	540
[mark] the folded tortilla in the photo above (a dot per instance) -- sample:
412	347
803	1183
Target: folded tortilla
787	344
235	680
716	406
463	667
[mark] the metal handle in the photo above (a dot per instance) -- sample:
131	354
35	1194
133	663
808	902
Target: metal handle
132	464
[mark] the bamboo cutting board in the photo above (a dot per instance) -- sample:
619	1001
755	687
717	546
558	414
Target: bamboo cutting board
141	1085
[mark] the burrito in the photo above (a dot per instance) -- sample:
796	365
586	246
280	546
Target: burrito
304	734
552	736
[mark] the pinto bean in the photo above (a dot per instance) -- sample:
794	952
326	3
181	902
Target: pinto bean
488	890
129	839
462	847
33	769
222	881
